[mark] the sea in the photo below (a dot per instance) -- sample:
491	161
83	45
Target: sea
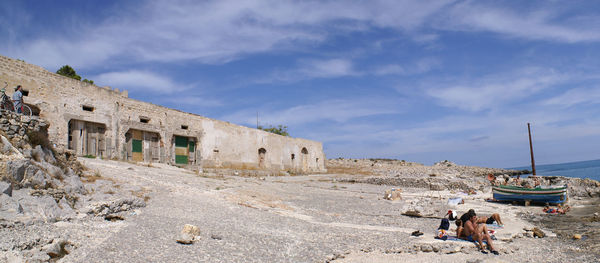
582	218
583	169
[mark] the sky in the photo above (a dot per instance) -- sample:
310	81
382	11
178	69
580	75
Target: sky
421	81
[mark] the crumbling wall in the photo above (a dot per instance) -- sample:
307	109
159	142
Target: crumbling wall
219	144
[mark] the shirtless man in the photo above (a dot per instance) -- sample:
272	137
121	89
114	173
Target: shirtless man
475	232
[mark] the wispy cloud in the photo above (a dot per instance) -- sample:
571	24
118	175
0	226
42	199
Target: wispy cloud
327	68
198	101
221	31
139	80
337	110
576	96
539	24
491	91
216	31
420	66
311	69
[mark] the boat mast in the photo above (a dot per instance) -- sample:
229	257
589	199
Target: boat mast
531	150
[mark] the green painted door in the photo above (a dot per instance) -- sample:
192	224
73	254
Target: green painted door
136	146
181	150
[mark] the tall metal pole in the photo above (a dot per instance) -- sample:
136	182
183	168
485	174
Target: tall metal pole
531	150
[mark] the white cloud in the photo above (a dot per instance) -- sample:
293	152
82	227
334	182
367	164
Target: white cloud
489	92
540	24
221	31
576	96
326	68
420	66
310	69
337	110
392	69
198	101
138	81
216	31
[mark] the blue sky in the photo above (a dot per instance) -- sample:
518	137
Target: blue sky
421	81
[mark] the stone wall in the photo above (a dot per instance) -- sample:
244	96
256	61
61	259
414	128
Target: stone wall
18	129
219	144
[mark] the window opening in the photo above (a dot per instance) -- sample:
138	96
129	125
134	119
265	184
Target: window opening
87	108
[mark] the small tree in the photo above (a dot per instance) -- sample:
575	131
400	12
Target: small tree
280	129
88	81
68	71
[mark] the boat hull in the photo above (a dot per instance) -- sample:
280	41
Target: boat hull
539	195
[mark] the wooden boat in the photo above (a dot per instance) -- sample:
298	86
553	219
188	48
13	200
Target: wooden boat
539	194
552	195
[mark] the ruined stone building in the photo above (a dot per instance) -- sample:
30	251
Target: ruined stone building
104	122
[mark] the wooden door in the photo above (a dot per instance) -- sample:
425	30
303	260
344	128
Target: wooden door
92	143
101	141
181	150
191	151
137	152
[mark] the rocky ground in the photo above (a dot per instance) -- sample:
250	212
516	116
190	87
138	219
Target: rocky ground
310	218
59	209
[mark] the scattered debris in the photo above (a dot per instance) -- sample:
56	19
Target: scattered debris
393	194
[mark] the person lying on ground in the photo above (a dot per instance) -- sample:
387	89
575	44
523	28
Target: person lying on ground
495	217
478	233
558	210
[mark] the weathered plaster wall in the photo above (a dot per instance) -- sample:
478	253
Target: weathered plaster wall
219	144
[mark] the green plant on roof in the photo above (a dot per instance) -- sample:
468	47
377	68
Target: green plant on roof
279	129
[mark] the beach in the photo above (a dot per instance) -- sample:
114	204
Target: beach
339	216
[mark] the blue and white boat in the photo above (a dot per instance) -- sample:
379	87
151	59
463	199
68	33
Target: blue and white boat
551	195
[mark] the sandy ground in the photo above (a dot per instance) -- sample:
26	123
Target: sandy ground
312	218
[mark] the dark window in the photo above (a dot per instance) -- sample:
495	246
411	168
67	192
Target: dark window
293	156
87	108
144	119
185	127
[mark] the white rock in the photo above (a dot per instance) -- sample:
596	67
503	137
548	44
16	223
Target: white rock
6	188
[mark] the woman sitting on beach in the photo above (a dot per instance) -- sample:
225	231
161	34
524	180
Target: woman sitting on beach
459	229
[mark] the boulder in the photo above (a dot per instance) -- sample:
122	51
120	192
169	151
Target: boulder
426	248
67	211
6	188
538	232
185	238
115	206
36	179
10	209
73	184
16	169
45	207
56	249
191	229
